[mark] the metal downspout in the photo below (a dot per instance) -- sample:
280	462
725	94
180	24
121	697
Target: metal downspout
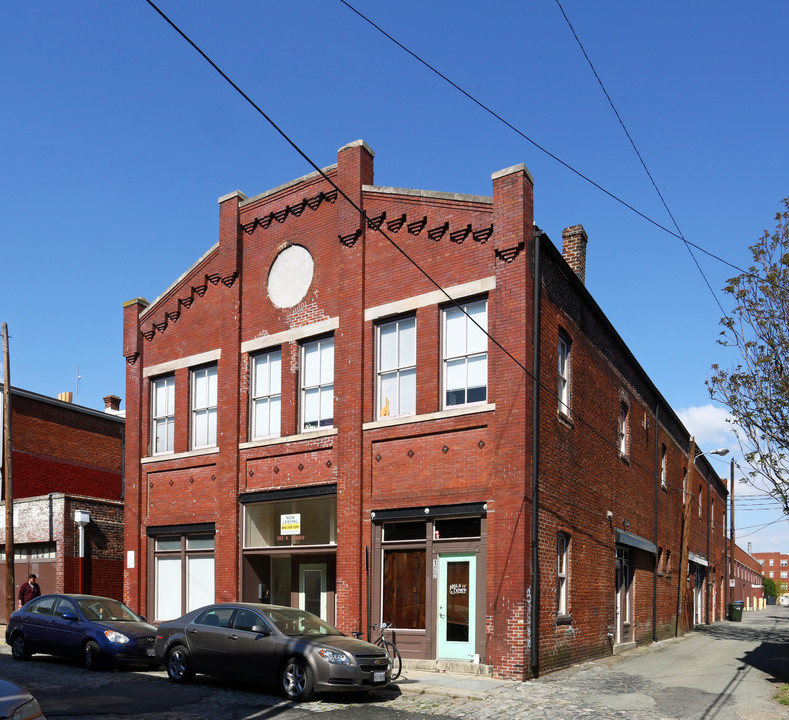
535	478
657	491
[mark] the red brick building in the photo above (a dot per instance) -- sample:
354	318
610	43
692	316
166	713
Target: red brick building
748	572
775	565
65	458
318	418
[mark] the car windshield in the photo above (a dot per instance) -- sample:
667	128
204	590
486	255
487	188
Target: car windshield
106	609
291	621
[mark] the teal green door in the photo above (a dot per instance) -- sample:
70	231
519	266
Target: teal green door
457	602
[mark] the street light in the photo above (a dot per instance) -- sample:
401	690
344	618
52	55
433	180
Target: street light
719	451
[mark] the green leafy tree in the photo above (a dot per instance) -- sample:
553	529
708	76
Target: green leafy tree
756	390
770	588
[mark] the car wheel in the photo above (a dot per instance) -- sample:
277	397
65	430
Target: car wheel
296	678
91	655
19	647
179	665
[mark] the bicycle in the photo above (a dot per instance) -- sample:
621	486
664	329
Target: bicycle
395	661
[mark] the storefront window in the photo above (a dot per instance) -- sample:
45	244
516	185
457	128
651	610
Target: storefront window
404	588
291	523
183	574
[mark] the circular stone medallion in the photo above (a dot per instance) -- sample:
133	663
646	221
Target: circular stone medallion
290	276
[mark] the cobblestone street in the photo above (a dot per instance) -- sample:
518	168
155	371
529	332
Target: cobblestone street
727	671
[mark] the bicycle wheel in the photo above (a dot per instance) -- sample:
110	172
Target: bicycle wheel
394	658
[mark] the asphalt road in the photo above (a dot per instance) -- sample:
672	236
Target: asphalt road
727	671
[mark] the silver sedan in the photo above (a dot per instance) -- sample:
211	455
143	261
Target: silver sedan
281	646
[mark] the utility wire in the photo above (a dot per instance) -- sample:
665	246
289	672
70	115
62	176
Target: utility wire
650	472
638	154
547	152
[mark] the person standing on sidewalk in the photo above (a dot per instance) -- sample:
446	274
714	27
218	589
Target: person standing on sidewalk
29	590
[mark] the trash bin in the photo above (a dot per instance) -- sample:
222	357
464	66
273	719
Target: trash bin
735	611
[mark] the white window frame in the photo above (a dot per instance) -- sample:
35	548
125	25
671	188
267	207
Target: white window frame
664	465
317	384
163	417
265	396
562	573
399	373
565	354
204	406
624	417
468	351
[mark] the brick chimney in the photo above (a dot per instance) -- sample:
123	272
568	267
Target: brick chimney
574	241
66	397
112	404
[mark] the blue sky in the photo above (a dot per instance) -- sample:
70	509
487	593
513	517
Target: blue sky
118	139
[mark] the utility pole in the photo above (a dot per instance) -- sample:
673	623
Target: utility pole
731	539
8	481
683	559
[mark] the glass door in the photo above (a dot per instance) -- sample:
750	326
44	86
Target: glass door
312	589
457	605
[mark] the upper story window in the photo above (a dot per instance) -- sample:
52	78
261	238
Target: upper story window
564	373
266	394
783	563
701	493
163	414
204	401
317	384
772	562
623	420
397	367
562	558
466	353
663	465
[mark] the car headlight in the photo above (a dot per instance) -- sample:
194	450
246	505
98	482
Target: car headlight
335	657
115	637
28	711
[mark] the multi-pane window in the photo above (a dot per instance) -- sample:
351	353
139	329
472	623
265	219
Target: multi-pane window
663	465
204	398
562	556
466	353
163	414
564	374
317	384
623	416
397	367
783	563
183	573
266	394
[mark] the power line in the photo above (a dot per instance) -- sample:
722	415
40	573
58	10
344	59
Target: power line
640	158
688	243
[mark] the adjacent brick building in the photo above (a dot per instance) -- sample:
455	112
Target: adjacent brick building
748	572
65	458
775	565
317	418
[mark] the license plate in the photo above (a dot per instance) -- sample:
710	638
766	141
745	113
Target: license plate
379	676
149	652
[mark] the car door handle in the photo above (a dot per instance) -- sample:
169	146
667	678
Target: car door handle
232	637
192	631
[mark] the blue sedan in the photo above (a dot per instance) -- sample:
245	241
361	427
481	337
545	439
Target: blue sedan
100	631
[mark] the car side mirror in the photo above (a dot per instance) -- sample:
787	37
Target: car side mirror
260	630
142	617
70	616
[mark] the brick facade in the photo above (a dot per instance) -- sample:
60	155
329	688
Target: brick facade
775	565
65	458
448	487
748	574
